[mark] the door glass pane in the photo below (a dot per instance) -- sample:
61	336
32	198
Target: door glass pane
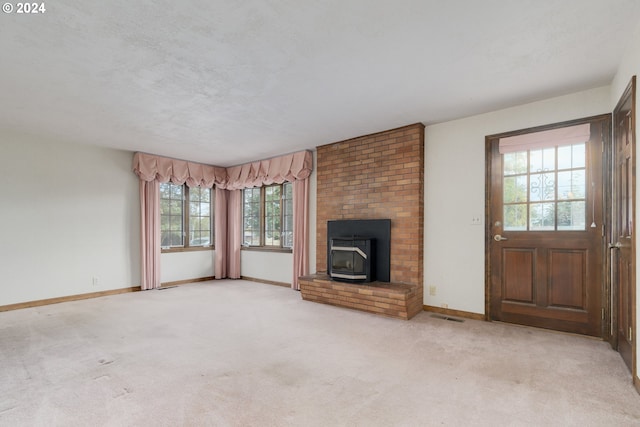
571	215
571	184
542	160
564	157
515	189
515	217
571	156
579	155
542	187
515	163
542	216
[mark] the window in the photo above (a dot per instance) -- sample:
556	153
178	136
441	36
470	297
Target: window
186	217
251	213
545	189
268	216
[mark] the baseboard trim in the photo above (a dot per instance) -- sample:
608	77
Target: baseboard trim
184	282
268	282
636	384
48	301
456	313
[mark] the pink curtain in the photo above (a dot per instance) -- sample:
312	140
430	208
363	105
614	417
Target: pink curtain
150	239
228	225
149	168
300	230
277	170
234	233
220	227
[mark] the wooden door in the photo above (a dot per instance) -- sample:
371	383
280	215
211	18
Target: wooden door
623	214
545	227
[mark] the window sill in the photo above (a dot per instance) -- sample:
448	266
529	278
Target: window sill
188	249
266	249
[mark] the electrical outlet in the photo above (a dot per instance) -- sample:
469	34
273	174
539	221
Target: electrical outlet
94	280
444	305
476	220
432	291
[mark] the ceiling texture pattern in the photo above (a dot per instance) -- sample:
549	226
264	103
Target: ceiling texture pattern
226	82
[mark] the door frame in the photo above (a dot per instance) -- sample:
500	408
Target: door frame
612	303
606	172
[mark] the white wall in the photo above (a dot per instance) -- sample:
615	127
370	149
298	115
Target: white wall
455	192
313	214
69	213
176	266
272	266
630	66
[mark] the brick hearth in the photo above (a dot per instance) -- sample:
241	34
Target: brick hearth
388	299
375	176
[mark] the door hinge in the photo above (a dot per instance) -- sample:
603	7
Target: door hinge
630	337
602	228
602	313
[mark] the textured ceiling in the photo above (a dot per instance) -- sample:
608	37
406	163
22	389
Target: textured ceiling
225	82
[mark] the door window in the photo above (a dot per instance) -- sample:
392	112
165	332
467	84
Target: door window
545	189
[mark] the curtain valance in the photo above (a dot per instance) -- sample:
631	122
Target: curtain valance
290	167
149	167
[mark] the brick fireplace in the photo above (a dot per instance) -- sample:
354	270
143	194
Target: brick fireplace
375	176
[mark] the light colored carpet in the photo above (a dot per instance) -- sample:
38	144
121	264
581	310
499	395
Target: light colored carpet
237	353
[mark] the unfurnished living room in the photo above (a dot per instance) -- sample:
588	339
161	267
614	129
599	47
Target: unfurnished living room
338	213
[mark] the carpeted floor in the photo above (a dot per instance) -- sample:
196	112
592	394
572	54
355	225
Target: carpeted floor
237	353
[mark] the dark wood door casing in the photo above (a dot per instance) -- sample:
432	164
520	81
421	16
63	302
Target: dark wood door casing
548	279
622	236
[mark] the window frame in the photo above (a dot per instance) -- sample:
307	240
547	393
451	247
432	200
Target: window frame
186	216
262	220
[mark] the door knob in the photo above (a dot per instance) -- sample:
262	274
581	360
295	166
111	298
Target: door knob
498	238
618	245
